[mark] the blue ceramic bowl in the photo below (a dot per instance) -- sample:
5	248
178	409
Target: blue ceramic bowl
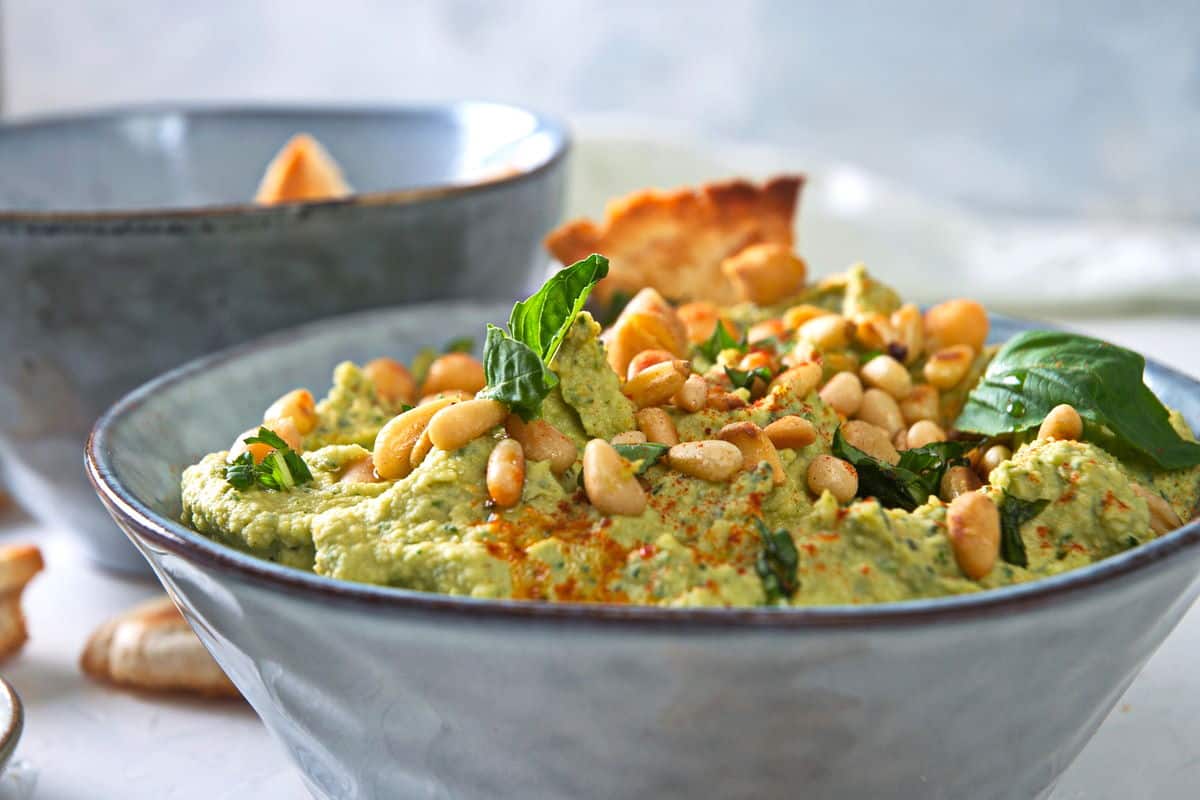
128	246
378	692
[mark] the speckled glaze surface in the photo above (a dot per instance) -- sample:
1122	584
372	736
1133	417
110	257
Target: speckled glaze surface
100	296
380	693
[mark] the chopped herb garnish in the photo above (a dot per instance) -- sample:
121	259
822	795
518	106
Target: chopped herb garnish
744	378
776	564
907	484
1015	512
281	469
721	339
643	455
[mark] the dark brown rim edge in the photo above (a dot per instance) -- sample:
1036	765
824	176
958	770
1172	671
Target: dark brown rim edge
365	199
174	537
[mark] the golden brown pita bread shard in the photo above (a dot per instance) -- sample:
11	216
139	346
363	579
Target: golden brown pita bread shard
675	241
152	647
302	170
18	564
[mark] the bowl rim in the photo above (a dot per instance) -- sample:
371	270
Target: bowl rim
138	520
545	122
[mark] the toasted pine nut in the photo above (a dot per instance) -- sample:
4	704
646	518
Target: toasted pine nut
948	366
798	381
460	371
710	460
722	400
395	441
910	331
1163	518
297	404
991	459
458	425
957	481
844	393
880	408
647	358
284	428
973	526
791	432
871	439
541	441
394	384
765	273
767	329
1063	422
874	331
656	385
361	471
648	322
922	403
506	473
888	374
829	332
796	316
629	437
692	395
925	432
755	446
457	395
756	359
700	320
420	449
609	482
658	427
831	474
956	322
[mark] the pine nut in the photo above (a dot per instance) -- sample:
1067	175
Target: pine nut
541	441
796	316
973	524
828	473
692	395
1163	518
629	437
888	374
923	432
395	441
922	402
710	460
656	424
874	331
791	432
829	332
1063	422
958	481
458	425
361	471
880	408
767	329
871	439
765	274
991	458
420	449
394	384
910	331
297	404
506	473
656	385
648	322
646	358
721	400
460	371
457	395
844	393
755	446
900	440
956	322
609	482
798	381
948	366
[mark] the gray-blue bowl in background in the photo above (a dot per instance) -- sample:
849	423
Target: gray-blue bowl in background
385	692
129	245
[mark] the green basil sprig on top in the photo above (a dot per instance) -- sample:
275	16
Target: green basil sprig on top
516	362
282	469
1038	370
907	484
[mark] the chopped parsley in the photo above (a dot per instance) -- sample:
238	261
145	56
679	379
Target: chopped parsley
282	469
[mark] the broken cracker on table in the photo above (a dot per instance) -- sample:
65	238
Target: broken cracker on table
18	564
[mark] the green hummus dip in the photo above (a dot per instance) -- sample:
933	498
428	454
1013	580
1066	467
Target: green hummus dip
697	542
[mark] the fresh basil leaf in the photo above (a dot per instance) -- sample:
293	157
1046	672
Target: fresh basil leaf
744	379
516	375
461	344
907	484
1038	370
1015	512
542	320
776	563
721	339
645	455
241	473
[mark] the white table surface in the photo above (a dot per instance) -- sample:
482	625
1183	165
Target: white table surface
89	742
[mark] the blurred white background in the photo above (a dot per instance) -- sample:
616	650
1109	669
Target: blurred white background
1084	109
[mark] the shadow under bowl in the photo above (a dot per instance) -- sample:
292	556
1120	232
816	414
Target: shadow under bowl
127	247
384	692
